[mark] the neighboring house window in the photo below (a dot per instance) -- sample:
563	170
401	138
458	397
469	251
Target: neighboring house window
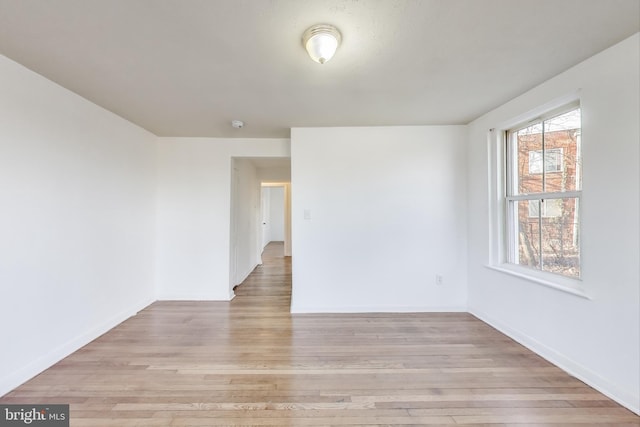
544	186
552	160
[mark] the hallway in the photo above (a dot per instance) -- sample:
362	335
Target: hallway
249	362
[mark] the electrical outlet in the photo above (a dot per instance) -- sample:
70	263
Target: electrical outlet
439	279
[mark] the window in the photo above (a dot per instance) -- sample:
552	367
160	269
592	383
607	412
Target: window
552	160
544	186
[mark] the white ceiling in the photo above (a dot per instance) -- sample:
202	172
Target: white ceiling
187	67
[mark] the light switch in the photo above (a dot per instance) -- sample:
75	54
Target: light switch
307	214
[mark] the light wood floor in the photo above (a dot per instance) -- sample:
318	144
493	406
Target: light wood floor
251	363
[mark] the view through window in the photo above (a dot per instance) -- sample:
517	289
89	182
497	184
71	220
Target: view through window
544	183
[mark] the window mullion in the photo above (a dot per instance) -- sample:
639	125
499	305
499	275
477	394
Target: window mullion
540	235
544	160
552	195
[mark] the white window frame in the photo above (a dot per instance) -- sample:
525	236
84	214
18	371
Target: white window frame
498	212
512	194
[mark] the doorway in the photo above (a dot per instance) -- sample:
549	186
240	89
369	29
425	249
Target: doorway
276	214
248	174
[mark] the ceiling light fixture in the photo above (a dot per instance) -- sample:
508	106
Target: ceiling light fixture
321	42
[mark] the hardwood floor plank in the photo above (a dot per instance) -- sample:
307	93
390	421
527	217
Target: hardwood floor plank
249	362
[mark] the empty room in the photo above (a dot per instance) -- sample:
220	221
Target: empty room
319	212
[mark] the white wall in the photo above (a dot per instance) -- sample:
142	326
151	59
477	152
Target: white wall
246	221
387	209
265	212
276	214
280	175
76	222
596	339
193	213
273	211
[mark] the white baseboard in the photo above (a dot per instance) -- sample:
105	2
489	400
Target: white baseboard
623	397
35	367
376	309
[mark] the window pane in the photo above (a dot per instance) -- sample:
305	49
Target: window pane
552	147
562	152
535	161
527	145
546	235
527	233
534	208
551	208
560	238
553	160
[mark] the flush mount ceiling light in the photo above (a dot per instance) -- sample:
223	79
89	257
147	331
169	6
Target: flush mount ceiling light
321	42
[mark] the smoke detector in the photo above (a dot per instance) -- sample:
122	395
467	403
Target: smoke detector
237	123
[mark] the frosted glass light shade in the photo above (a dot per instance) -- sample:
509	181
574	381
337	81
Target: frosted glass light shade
321	42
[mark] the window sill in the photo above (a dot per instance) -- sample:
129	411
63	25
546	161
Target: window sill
551	283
